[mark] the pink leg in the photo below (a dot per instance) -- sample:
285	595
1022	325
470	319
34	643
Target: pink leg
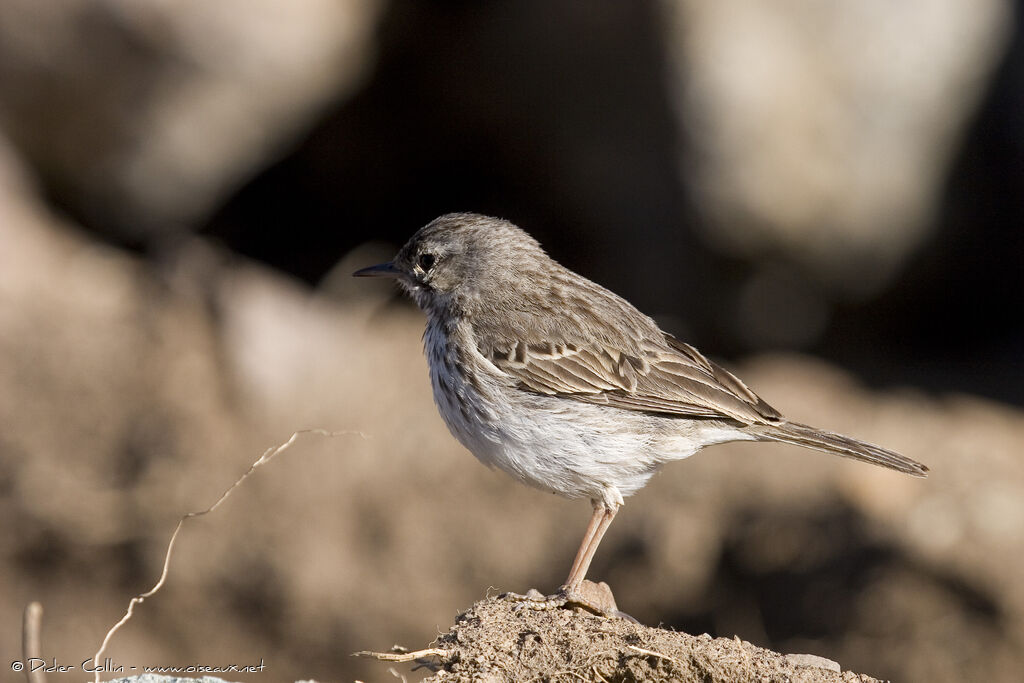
595	521
599	523
576	592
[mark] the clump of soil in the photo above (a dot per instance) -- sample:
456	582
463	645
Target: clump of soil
495	641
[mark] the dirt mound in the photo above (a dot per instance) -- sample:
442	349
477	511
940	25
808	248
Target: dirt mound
495	641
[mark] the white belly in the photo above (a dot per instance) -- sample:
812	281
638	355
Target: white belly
569	447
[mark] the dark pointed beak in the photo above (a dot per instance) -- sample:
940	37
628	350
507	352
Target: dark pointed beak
381	270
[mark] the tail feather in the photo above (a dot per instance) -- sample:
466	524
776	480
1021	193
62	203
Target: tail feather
809	437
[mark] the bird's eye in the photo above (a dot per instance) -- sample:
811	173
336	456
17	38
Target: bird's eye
427	262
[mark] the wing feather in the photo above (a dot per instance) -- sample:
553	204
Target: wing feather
669	377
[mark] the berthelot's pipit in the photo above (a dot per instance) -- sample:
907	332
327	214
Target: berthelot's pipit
568	387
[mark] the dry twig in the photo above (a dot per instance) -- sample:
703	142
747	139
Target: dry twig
267	456
652	653
31	645
405	656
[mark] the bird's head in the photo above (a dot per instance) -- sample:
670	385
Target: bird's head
460	259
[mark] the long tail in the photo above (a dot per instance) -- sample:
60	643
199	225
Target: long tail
809	437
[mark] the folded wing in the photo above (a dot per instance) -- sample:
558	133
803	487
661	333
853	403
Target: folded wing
670	378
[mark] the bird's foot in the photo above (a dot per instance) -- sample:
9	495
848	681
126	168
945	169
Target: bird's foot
593	597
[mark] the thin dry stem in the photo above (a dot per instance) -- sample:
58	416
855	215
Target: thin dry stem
267	456
404	656
652	653
31	644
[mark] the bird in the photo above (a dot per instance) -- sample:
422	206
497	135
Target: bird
569	388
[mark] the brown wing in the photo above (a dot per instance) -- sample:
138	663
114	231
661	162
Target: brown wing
672	378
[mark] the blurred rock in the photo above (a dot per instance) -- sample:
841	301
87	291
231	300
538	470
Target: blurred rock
140	116
821	133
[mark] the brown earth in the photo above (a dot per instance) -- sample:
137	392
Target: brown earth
494	641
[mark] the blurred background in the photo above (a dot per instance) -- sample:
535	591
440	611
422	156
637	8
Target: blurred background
825	196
